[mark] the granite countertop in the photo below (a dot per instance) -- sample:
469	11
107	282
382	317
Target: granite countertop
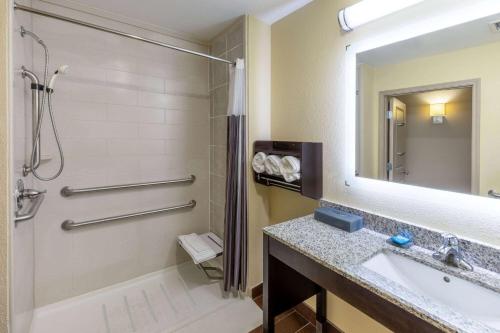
345	252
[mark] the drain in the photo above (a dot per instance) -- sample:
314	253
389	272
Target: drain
446	279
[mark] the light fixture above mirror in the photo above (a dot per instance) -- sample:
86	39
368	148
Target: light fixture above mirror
369	10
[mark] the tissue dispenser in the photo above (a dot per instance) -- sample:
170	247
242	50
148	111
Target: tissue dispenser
339	219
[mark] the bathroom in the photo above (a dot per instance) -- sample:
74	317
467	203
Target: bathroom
166	114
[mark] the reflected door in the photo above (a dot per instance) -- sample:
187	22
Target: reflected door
398	133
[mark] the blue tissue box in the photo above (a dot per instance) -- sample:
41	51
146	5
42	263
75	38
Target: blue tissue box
339	219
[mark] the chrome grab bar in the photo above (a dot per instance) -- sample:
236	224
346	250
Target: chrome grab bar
68	191
70	224
36	201
494	194
35	107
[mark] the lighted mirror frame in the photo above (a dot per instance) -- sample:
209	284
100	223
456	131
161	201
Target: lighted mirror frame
445	20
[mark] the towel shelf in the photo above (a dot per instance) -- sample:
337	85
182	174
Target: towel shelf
310	155
67	191
70	224
278	183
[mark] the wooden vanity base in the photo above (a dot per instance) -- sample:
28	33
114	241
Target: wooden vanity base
290	278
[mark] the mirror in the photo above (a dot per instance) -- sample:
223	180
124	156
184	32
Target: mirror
428	110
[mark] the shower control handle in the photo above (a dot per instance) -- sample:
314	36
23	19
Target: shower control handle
22	193
31	193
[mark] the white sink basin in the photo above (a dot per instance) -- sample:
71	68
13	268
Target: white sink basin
469	299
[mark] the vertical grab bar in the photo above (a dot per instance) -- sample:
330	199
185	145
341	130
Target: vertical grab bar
35	105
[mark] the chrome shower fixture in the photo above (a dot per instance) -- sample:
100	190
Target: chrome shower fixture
32	35
40	93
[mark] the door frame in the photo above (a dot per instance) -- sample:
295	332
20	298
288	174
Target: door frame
390	136
475	84
5	164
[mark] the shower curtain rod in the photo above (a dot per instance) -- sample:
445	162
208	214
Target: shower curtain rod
116	32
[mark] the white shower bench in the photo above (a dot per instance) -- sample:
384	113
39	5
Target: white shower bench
215	243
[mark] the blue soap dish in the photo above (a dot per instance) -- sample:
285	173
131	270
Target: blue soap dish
403	239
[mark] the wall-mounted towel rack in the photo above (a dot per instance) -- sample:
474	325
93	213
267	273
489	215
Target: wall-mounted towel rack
70	224
310	155
68	191
278	183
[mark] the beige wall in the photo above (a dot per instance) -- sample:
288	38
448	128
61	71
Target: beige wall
4	164
258	64
367	159
308	104
296	205
472	63
259	128
307	61
439	156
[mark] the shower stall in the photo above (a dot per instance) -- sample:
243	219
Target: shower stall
115	160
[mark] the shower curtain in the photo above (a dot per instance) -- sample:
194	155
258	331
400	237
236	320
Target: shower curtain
235	226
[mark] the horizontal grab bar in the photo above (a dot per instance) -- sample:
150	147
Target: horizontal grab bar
70	224
68	191
494	194
35	204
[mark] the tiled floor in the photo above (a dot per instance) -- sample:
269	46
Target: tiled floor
288	322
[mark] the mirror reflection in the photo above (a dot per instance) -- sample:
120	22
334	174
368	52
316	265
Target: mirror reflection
428	110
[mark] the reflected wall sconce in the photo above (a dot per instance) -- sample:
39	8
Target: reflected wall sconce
437	113
369	10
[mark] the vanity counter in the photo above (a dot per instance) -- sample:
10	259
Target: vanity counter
344	254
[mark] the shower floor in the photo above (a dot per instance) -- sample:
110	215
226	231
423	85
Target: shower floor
178	299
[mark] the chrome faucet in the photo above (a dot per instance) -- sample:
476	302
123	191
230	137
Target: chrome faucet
451	254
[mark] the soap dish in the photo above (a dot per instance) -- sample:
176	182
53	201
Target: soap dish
403	246
403	239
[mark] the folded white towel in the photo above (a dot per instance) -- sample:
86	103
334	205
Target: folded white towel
290	168
258	162
196	247
272	165
290	164
290	177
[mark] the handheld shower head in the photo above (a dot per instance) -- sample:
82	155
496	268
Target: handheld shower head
61	70
40	111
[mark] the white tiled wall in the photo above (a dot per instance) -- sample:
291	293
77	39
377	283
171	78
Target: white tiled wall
230	44
22	276
126	112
